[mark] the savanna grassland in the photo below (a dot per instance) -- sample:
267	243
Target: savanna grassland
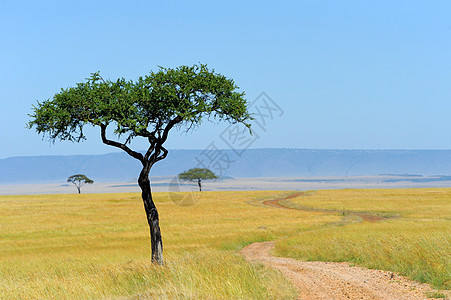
97	245
414	240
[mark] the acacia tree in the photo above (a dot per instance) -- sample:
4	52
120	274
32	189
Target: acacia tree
146	108
79	180
197	174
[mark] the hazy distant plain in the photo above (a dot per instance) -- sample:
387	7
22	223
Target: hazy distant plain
171	184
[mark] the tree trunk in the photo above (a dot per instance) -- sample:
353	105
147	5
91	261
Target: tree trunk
152	216
200	185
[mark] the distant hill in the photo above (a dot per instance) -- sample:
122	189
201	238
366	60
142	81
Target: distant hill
251	163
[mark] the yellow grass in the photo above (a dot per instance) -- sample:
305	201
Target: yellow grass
97	246
416	244
412	203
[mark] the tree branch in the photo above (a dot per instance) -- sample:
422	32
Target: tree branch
157	147
150	150
129	151
163	156
168	127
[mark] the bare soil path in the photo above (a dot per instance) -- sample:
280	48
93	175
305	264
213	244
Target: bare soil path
329	280
278	203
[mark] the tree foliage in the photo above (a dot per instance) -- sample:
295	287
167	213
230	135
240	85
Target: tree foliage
79	180
141	108
196	174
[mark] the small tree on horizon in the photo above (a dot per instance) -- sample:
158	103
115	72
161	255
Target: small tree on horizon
79	180
197	174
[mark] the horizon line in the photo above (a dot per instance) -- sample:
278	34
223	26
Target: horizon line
230	149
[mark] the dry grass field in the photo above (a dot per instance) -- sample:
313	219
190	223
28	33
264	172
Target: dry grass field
93	246
416	242
97	246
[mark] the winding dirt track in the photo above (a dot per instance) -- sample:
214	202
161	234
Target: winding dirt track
328	280
365	216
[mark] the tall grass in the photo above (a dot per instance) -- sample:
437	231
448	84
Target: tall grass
418	244
205	273
97	246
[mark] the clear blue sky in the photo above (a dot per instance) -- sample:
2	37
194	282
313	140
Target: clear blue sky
347	74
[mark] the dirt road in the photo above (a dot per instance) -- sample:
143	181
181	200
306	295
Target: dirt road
327	280
277	203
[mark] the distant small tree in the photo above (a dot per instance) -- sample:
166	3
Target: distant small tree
197	174
79	180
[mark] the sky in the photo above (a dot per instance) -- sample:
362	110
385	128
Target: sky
339	74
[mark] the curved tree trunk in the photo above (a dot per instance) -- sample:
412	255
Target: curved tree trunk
200	185
152	216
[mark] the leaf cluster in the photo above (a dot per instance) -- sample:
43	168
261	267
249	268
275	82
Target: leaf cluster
197	174
145	107
80	178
